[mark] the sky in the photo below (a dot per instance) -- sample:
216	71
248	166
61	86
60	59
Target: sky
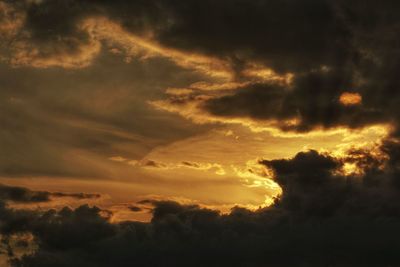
199	133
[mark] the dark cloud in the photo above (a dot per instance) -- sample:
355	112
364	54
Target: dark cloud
368	69
190	164
312	99
333	47
134	208
21	194
355	42
152	163
313	188
287	36
75	195
322	219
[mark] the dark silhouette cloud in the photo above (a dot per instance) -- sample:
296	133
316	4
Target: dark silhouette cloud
21	194
312	99
286	36
134	208
322	218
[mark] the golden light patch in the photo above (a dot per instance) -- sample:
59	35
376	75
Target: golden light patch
350	99
351	169
222	165
261	73
26	54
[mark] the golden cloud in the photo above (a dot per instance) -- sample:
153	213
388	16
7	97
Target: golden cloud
350	99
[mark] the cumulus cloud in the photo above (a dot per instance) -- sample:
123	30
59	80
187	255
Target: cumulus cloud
321	218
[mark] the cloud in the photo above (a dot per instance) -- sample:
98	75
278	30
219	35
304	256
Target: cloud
304	67
29	40
330	68
54	28
313	101
349	99
268	32
309	103
184	164
10	20
135	208
24	195
69	54
77	36
49	126
315	76
322	217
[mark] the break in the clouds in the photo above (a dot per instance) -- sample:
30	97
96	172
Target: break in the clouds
178	111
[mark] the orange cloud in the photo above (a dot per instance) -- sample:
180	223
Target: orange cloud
102	32
10	20
264	74
55	55
350	99
101	28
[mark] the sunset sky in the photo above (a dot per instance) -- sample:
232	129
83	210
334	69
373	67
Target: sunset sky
242	119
